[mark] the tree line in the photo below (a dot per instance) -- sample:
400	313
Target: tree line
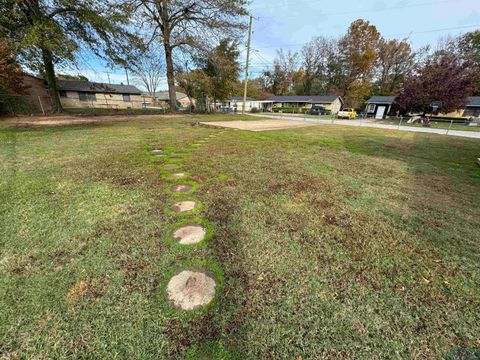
192	43
362	63
47	35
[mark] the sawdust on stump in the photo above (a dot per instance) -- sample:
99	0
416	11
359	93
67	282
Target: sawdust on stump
183	206
190	290
181	188
170	166
189	234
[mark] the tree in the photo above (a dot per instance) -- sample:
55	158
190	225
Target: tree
47	32
190	24
195	84
221	69
316	56
148	71
444	79
469	48
358	55
71	77
285	77
11	75
256	89
469	45
395	62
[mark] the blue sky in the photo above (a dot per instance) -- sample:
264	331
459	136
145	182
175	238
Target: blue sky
288	24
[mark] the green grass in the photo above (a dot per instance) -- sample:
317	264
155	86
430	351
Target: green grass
328	242
433	124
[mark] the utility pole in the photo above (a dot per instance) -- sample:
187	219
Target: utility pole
246	66
126	73
108	76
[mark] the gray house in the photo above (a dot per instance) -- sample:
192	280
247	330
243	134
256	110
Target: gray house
379	107
473	107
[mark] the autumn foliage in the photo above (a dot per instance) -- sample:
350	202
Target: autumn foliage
444	79
11	75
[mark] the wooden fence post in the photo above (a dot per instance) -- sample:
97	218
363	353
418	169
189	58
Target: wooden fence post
41	105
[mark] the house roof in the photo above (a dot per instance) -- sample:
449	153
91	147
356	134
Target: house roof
89	86
240	98
326	99
381	100
474	101
164	96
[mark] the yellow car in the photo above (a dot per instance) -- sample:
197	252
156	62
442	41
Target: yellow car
347	114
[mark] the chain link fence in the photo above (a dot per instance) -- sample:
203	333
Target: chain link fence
24	104
38	105
446	123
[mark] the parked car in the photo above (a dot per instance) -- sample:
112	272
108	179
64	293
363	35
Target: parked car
347	114
317	110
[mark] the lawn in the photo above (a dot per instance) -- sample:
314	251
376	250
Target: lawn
328	242
434	124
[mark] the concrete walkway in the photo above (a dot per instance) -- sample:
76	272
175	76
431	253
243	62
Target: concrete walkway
371	123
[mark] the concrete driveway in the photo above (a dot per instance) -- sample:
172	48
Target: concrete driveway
371	123
261	125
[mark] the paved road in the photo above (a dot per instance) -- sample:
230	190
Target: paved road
371	123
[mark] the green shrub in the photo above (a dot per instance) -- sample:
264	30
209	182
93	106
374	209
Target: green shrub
254	110
289	110
14	104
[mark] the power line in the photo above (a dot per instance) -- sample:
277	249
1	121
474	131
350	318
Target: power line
387	35
354	11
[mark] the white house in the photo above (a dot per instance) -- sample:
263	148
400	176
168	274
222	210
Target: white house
235	104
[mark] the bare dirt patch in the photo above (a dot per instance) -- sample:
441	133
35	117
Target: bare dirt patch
190	290
260	125
62	120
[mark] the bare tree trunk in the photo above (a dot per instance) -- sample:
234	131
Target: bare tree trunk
168	56
170	77
190	101
51	81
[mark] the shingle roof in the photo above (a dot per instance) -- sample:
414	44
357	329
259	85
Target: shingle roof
164	95
88	86
306	98
381	100
240	98
474	101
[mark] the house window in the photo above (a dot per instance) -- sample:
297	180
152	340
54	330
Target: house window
126	97
62	93
86	96
371	108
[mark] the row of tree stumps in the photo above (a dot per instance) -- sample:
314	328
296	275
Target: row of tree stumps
194	286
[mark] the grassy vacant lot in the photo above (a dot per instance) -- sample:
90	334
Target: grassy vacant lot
334	242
